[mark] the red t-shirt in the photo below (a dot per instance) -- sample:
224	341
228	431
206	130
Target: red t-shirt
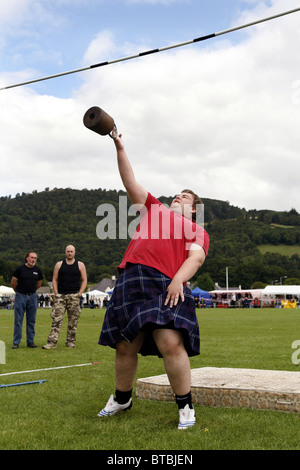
163	238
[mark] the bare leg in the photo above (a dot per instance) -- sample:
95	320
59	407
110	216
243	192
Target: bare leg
176	360
126	362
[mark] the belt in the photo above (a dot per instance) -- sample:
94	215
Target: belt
26	293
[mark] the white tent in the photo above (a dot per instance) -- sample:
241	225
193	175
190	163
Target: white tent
281	290
275	295
4	290
96	294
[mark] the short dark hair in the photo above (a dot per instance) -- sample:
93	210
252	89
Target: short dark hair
27	254
196	201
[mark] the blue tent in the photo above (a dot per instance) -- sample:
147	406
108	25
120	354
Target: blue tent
197	292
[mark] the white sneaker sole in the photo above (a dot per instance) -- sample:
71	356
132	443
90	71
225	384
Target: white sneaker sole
106	412
187	418
186	425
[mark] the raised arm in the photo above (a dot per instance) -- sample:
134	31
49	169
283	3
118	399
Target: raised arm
136	193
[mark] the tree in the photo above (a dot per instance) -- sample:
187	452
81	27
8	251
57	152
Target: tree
291	281
48	221
205	282
258	285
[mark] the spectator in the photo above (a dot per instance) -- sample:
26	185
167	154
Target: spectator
69	282
26	279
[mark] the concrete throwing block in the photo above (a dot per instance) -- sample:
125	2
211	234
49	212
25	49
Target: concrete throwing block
245	388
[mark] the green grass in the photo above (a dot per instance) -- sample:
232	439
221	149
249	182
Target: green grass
62	412
286	250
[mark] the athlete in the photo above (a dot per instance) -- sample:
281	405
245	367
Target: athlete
152	311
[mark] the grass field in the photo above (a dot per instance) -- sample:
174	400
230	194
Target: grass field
61	413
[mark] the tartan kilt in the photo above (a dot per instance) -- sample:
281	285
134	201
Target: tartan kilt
137	303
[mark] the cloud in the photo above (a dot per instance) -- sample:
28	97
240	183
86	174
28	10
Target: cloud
11	10
101	46
220	118
157	2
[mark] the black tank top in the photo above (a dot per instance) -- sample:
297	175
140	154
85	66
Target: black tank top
69	278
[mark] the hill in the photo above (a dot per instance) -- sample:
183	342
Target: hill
49	220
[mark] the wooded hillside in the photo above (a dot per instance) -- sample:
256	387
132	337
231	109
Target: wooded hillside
48	221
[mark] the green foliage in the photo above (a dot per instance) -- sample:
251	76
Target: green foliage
48	221
234	244
258	285
205	282
292	281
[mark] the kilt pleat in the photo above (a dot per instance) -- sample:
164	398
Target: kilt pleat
137	303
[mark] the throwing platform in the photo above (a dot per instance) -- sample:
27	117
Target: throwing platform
223	387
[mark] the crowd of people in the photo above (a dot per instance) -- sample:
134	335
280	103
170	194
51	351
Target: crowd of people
224	301
95	302
235	300
201	302
45	301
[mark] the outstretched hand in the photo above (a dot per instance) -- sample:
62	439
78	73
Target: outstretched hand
119	142
117	138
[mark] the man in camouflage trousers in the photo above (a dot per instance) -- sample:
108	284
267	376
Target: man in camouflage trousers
69	282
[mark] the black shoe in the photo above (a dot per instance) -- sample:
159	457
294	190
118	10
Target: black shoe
15	346
31	345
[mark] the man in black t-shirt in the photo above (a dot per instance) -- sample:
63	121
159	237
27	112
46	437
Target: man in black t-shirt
26	279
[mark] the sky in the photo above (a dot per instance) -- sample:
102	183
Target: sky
220	116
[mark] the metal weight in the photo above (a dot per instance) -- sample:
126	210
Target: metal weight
98	121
